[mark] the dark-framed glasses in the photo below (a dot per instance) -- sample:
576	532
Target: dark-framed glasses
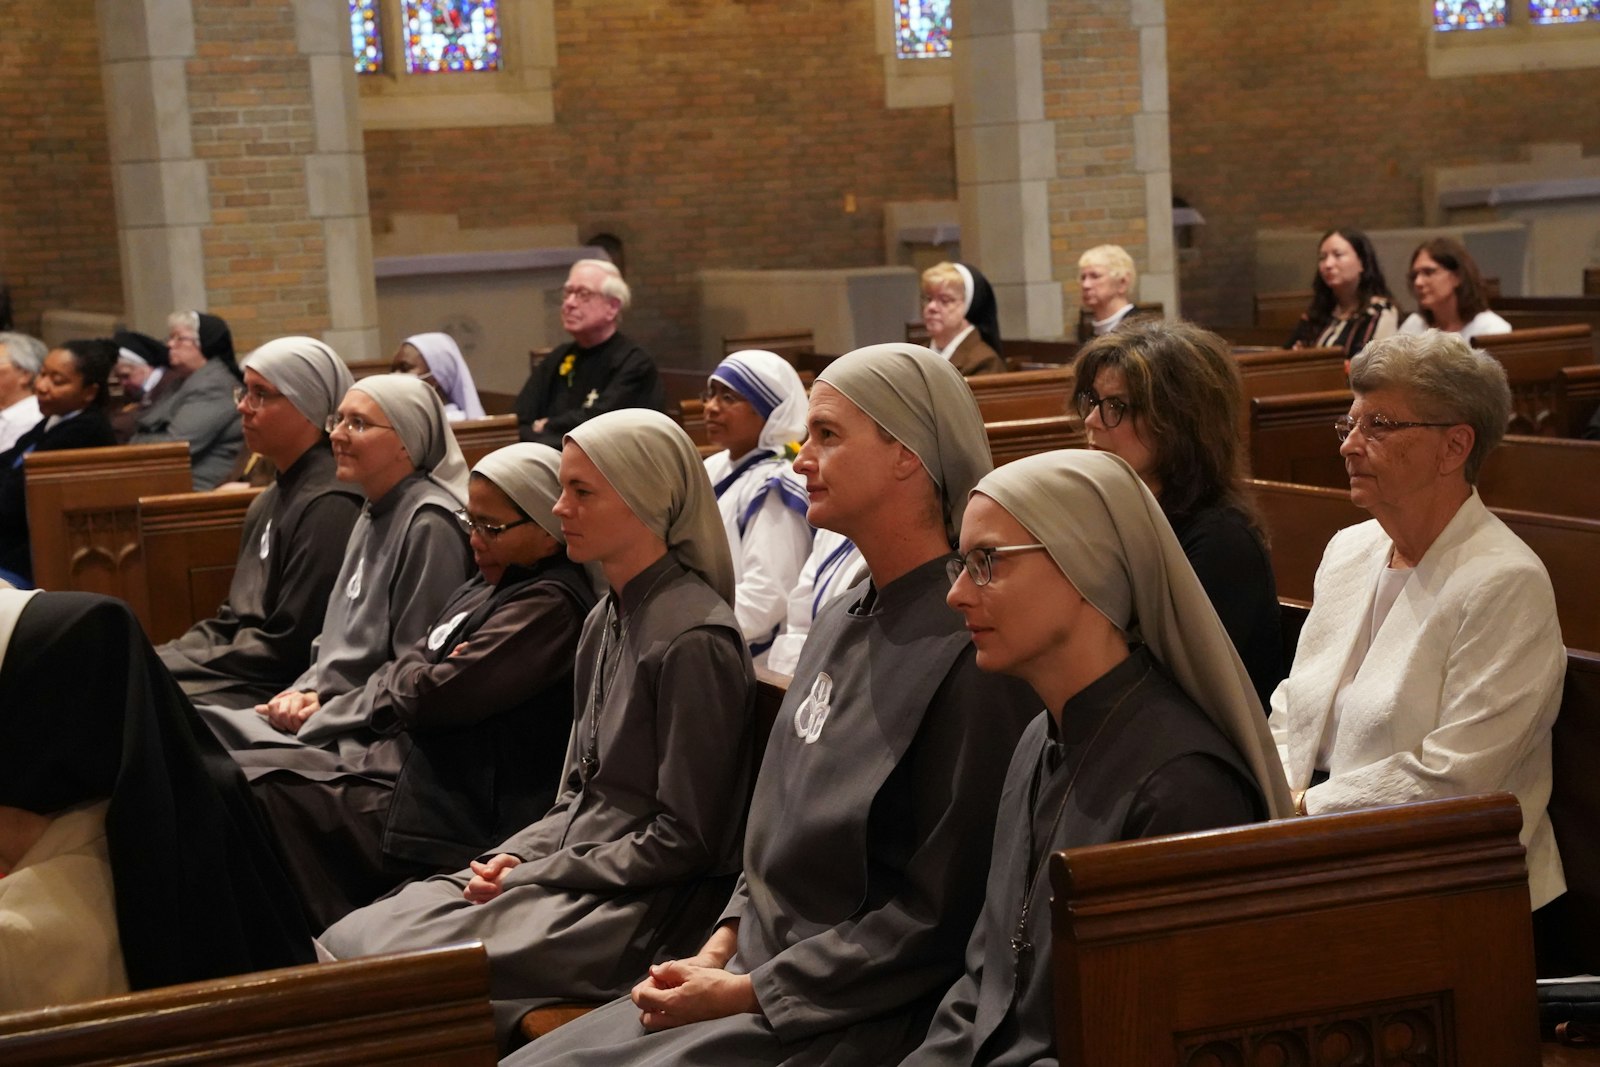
1376	427
354	424
1112	408
254	399
979	562
488	530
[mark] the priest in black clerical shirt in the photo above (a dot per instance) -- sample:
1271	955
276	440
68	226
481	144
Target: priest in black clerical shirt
599	370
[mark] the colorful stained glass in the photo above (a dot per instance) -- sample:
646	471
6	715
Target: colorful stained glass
1468	14
458	36
922	29
1546	14
366	39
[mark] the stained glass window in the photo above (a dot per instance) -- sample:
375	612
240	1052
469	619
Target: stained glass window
1544	14
922	29
366	40
1468	14
452	35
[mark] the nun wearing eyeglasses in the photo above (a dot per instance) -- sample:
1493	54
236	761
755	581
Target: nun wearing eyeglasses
470	723
962	318
405	557
755	408
1431	664
1070	578
638	853
294	534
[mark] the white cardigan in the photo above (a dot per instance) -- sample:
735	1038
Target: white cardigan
1458	692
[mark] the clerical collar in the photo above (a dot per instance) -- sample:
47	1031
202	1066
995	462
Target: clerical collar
301	468
390	500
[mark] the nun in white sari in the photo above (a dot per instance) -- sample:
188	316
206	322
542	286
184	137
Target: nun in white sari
756	409
405	557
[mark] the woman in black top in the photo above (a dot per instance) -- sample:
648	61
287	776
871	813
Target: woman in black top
72	398
1166	397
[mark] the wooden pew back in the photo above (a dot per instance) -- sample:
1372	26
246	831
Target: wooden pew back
1281	312
1022	394
1016	438
190	543
1301	519
366	368
83	521
1398	934
1292	438
792	345
479	437
420	1008
1533	360
1532	312
1577	394
1551	474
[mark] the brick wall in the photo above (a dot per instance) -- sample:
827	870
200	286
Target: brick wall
252	125
1273	126
705	135
58	236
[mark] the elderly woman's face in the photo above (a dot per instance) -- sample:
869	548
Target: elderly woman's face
1393	467
1101	292
941	311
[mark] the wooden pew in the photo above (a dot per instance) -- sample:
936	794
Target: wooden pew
420	1008
1040	355
190	544
1292	438
83	515
1025	394
792	345
1015	438
1301	519
366	368
1551	474
1531	312
1387	936
479	437
1533	360
1576	396
1281	312
1285	372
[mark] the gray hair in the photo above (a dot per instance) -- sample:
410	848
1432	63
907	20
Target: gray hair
188	321
26	353
613	286
1447	378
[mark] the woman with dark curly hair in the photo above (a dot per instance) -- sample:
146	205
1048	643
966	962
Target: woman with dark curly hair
1350	301
1166	397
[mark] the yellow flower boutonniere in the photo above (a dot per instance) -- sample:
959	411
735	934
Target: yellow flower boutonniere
791	450
566	366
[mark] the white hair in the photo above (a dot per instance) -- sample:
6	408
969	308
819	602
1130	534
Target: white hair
613	285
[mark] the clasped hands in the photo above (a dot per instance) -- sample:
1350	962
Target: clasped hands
289	710
696	989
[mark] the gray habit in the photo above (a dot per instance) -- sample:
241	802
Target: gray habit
869	834
1140	760
201	412
260	640
636	857
405	557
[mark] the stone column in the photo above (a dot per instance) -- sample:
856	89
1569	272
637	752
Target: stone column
238	167
1006	159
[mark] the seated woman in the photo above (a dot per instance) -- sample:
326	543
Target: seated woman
1450	292
406	556
132	855
638	854
756	410
1166	398
1350	301
1106	280
1431	664
293	539
962	318
198	406
471	723
141	368
437	360
72	391
834	565
1070	578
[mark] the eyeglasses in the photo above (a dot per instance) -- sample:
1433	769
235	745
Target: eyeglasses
183	338
945	300
488	530
355	424
1424	272
1376	427
254	399
1112	408
581	293
725	397
979	562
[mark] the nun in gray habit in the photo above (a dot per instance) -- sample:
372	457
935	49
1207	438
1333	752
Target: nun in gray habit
638	853
1169	740
873	813
259	641
406	555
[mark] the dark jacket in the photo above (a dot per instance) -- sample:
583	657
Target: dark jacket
87	429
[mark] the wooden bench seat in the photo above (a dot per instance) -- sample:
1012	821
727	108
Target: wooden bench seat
83	516
1394	935
427	1009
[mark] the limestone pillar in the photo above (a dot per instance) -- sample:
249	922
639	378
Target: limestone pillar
238	167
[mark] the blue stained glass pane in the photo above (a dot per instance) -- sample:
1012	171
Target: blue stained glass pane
366	39
454	36
1546	14
922	29
1468	14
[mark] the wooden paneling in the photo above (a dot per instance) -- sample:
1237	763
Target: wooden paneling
191	546
479	437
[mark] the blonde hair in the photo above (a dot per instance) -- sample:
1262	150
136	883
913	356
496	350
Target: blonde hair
942	274
1113	258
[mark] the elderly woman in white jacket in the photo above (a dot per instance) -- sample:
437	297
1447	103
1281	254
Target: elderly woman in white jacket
1432	662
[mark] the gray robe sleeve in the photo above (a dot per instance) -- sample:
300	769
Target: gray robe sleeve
899	947
692	731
